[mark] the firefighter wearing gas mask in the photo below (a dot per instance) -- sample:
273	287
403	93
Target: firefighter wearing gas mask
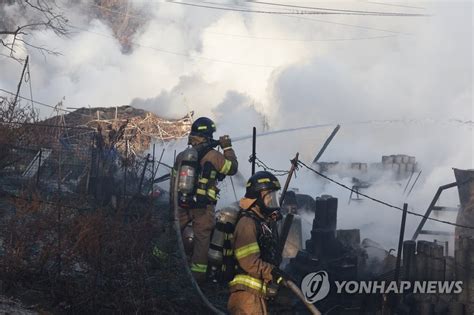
202	167
255	246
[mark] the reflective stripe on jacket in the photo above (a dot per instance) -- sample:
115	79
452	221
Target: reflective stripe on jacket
254	273
224	164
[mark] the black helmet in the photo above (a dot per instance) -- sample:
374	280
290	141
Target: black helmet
259	181
262	181
203	127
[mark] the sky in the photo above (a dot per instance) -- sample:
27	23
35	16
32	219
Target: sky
395	84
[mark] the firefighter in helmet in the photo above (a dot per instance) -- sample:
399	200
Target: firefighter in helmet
255	246
213	167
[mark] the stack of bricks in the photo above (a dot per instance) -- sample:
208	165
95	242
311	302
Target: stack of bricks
401	164
359	166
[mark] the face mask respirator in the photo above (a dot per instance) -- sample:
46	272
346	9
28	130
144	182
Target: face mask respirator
269	204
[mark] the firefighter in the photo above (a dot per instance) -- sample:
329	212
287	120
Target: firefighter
213	167
255	246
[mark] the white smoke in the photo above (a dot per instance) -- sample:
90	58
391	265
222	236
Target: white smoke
246	70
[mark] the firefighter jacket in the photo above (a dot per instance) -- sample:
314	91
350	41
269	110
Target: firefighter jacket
255	246
214	167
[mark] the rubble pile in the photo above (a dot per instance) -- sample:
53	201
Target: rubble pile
132	129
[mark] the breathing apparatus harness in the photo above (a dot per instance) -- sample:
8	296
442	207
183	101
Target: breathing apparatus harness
194	179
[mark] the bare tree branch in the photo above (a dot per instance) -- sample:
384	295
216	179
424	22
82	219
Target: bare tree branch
36	15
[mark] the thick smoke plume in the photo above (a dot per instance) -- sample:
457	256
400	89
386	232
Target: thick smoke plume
276	72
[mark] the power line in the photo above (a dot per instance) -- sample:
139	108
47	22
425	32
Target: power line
48	125
386	121
41	103
142	18
383	202
343	24
287	16
302	40
181	54
36	102
337	10
243	10
349	25
296	12
396	5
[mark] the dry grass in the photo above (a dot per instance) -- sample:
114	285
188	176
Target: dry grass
96	261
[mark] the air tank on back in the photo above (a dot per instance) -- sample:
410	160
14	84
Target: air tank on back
225	223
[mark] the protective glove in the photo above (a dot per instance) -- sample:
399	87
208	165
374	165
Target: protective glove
225	142
272	290
279	275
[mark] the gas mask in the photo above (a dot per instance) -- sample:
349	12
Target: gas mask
269	204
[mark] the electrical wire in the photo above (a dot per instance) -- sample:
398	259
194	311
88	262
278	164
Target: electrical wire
396	5
300	40
348	25
337	10
263	165
43	104
46	125
296	12
182	54
142	18
343	24
36	102
383	202
389	121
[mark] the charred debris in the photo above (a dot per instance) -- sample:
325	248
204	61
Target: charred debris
343	255
84	229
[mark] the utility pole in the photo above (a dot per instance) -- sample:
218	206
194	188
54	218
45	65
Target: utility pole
10	119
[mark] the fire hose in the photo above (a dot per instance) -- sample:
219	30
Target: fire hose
288	283
182	252
294	288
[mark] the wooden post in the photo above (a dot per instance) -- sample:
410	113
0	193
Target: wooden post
400	242
325	145
143	174
153	164
414	183
19	85
289	217
409	248
254	145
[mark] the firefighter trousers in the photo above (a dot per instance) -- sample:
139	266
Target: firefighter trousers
246	303
203	223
